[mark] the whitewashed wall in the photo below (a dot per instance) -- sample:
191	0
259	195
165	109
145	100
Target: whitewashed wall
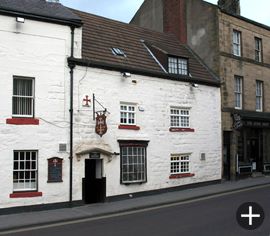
38	50
155	96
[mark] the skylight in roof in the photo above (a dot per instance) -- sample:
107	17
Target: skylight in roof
118	52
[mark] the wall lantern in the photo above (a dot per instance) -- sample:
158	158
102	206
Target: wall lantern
20	19
126	74
194	85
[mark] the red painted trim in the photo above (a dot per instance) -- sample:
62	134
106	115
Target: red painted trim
178	176
132	127
25	194
22	121
182	130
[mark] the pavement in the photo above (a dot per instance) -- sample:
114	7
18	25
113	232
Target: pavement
38	218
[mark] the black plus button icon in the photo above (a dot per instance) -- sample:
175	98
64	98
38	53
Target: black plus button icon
250	215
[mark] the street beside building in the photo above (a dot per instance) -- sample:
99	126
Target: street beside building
211	217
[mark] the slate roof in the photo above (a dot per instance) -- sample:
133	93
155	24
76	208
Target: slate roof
101	34
39	8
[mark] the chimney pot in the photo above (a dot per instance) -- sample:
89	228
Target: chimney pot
230	6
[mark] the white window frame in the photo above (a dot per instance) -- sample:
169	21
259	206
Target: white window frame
259	95
181	116
133	164
18	100
129	113
178	65
238	92
180	164
258	49
25	170
237	43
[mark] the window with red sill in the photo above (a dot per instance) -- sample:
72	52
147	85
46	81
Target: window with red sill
180	120
128	116
25	172
23	102
133	161
180	166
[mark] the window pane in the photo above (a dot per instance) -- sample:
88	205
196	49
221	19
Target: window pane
259	96
238	92
23	178
22	101
133	164
179	118
236	43
180	164
127	114
177	65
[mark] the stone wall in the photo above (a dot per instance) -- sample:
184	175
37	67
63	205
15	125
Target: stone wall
154	96
38	50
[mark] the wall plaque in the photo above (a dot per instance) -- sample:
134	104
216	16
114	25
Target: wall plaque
94	155
55	170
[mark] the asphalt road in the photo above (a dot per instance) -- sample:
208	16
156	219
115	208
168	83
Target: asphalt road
210	217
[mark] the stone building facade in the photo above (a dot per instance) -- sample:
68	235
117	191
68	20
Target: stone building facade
56	89
237	50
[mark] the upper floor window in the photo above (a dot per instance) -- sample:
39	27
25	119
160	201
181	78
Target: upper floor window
23	97
258	49
177	65
259	95
238	88
237	43
180	118
25	170
127	114
118	52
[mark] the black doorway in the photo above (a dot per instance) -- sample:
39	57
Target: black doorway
94	185
254	153
226	155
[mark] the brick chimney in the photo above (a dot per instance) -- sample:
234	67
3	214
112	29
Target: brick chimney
174	19
230	6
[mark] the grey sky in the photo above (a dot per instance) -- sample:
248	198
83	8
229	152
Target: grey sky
123	10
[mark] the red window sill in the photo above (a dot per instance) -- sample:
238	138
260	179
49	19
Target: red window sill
182	130
25	194
22	121
131	127
178	176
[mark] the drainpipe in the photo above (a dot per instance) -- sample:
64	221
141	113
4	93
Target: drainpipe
71	65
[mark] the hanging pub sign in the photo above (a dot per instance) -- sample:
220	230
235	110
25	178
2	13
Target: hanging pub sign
237	121
101	125
55	170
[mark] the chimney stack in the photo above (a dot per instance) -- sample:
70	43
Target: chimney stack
230	6
174	18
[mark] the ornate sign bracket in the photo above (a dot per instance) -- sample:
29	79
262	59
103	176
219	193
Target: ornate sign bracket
102	112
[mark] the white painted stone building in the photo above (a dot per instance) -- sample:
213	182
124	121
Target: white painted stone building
33	57
163	118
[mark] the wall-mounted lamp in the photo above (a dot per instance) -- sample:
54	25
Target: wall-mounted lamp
194	85
126	74
20	19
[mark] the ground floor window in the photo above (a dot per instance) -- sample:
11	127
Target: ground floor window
25	171
133	162
180	163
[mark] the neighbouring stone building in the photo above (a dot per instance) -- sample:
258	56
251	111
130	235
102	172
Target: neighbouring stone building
237	49
65	74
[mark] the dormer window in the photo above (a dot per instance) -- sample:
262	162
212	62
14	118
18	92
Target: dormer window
178	65
118	52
